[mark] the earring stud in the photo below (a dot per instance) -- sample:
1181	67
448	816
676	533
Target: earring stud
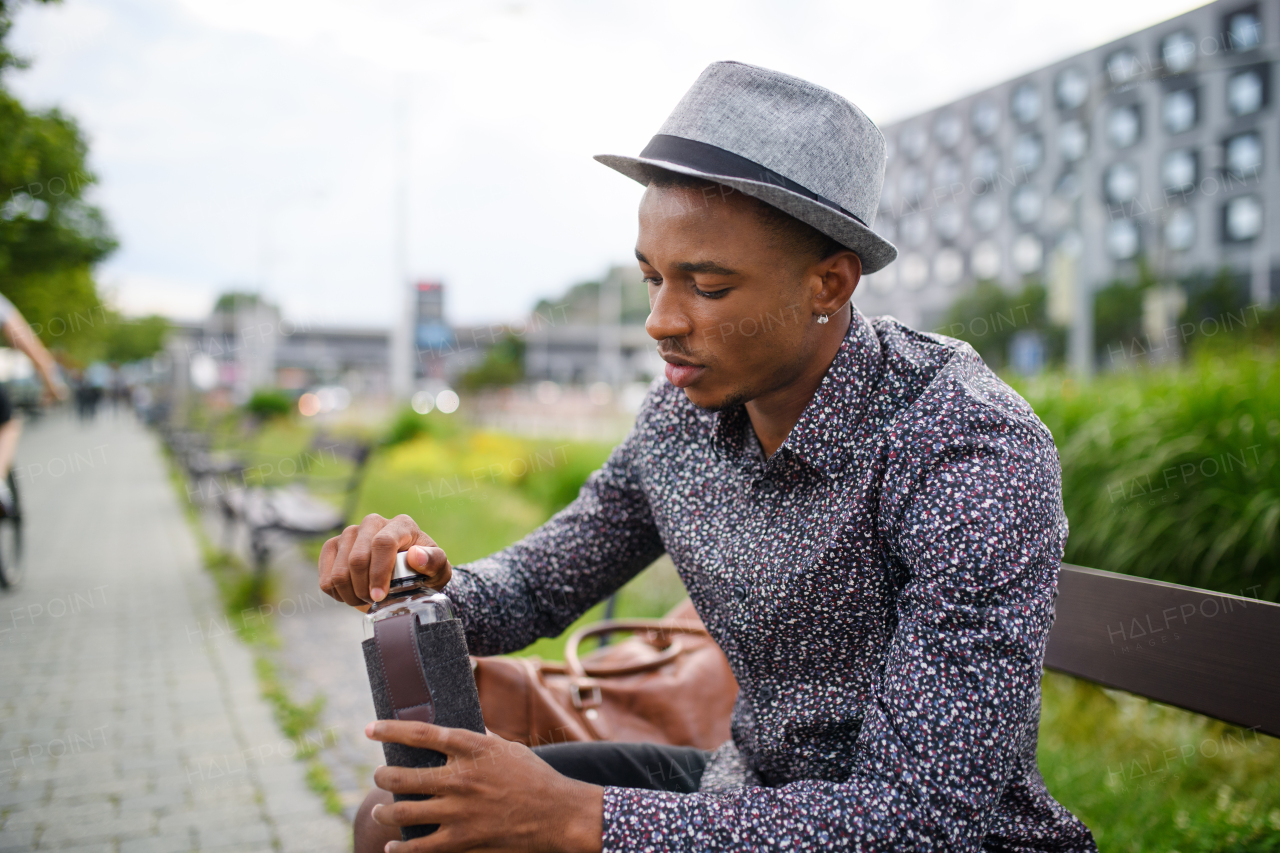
822	318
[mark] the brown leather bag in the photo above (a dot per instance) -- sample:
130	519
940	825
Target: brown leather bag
668	683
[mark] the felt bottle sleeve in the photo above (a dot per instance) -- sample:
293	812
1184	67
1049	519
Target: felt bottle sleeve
421	672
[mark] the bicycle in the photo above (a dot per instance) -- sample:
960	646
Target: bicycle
11	540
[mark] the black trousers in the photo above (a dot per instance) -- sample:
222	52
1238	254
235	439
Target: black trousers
629	765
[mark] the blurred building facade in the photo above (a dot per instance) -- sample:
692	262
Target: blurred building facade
245	344
1160	145
594	334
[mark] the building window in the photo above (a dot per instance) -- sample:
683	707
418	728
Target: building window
1071	88
1178	51
914	272
985	260
948	221
1026	204
1241	219
947	129
985	119
1243	30
913	229
1120	183
1025	103
1122	239
1244	155
1122	66
985	163
985	213
948	267
946	173
1028	253
1028	152
1124	126
913	142
1068	187
1073	142
1178	170
1178	111
912	185
1180	229
1247	91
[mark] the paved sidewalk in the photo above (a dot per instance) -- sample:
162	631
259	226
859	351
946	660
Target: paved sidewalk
126	724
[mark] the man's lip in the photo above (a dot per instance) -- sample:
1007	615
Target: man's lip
683	375
678	360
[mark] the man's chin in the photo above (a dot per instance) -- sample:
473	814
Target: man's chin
716	401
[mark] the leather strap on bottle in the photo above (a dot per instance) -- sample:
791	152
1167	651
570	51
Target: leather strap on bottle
397	641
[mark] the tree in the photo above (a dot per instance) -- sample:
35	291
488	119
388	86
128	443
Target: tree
988	317
50	238
134	340
503	365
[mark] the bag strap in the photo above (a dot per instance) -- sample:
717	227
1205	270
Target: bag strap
407	688
573	662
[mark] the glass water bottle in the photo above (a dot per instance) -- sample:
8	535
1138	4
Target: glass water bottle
416	655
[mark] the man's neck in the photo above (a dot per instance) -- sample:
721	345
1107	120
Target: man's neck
775	414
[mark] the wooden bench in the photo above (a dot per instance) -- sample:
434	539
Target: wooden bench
295	510
1208	652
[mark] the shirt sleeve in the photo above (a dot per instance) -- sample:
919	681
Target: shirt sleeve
976	524
541	584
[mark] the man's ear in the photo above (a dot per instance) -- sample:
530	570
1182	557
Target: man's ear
839	275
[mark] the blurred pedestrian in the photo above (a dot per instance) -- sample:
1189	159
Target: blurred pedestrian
23	339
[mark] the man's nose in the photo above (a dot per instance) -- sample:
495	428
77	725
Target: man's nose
667	318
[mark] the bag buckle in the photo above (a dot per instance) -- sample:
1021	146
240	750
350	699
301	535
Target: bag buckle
575	694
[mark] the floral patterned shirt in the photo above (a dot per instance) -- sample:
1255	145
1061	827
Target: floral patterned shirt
883	586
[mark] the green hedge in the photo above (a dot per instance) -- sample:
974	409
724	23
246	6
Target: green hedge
1173	474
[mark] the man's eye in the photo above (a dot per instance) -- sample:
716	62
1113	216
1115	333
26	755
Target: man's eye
712	294
652	281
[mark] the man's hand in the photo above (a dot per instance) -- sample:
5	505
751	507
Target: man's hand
356	565
493	794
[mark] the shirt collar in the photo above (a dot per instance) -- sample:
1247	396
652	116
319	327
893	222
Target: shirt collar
825	437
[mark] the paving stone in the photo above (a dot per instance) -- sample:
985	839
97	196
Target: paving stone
158	844
17	839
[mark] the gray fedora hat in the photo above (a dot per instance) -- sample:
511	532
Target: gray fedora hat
799	147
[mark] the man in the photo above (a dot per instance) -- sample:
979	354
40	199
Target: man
867	519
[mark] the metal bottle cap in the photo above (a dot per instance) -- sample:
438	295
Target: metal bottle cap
402	571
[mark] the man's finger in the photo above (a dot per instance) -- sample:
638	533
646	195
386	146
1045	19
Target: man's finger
427	558
358	558
396	535
328	554
338	581
456	742
452	778
412	812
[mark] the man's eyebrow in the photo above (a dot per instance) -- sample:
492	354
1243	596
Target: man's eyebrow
709	267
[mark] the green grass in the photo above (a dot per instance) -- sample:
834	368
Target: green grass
1147	777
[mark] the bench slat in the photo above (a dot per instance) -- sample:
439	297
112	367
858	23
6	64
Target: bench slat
1207	652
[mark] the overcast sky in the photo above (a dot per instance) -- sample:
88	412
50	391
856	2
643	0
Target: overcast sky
252	143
